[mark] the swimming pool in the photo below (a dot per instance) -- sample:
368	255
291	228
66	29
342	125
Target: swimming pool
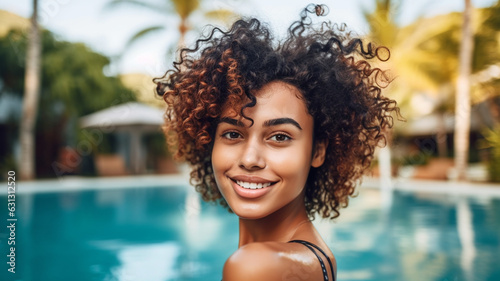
148	233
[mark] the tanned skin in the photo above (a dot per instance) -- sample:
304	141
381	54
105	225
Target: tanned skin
277	152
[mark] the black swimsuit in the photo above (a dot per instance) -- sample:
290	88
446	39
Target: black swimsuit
311	247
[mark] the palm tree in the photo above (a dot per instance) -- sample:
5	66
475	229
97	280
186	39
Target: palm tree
416	59
382	24
383	30
183	8
30	100
462	103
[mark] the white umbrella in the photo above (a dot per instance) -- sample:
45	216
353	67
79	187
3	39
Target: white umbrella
429	124
133	118
124	115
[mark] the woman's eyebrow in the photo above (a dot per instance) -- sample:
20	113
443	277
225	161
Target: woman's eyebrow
268	123
281	121
231	121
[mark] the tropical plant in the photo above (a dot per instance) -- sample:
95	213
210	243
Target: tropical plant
444	47
492	142
424	56
184	9
73	85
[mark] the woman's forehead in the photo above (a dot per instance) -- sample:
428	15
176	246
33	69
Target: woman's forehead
274	99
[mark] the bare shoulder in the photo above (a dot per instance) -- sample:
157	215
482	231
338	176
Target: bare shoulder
270	261
254	261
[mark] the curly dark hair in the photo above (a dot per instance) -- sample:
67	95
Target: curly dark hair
342	92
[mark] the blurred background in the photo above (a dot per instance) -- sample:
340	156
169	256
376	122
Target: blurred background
99	54
80	124
96	55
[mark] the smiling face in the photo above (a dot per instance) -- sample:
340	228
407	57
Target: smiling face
262	168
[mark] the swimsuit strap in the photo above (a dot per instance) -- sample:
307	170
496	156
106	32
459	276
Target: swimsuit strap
310	246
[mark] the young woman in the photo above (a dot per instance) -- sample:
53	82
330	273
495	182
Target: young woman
278	132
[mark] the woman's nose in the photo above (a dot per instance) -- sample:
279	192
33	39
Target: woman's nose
252	158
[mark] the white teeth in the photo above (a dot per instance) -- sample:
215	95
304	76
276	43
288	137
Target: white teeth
252	185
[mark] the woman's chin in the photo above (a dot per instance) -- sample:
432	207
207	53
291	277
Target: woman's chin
248	213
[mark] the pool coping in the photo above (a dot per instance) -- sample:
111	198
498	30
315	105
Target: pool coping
74	183
437	187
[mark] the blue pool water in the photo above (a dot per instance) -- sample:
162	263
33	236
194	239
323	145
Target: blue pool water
149	234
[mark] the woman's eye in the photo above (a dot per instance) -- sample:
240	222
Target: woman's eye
280	138
231	135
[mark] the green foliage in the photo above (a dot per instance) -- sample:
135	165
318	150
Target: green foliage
12	54
382	22
72	85
420	158
424	54
72	77
491	14
492	142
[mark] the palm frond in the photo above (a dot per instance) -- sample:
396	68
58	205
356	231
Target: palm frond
144	32
221	15
150	6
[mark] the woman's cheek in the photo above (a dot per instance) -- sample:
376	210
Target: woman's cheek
222	160
221	154
289	163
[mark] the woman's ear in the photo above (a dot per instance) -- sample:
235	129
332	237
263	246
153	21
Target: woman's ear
319	153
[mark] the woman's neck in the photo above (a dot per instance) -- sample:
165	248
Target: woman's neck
279	226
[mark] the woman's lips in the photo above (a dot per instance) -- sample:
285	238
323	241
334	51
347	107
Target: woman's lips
251	187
